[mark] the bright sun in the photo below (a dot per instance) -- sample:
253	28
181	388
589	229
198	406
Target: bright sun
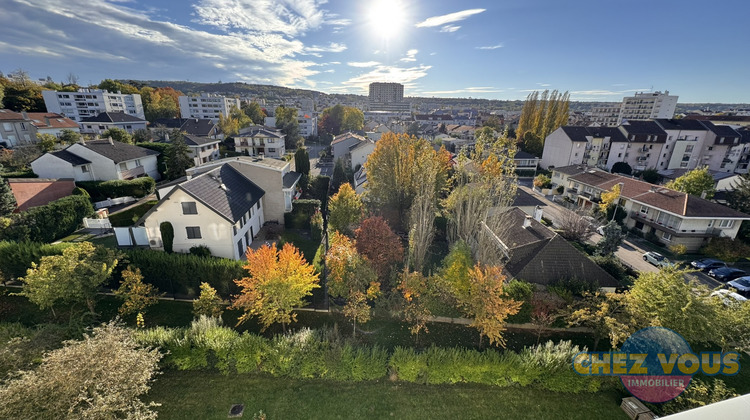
387	18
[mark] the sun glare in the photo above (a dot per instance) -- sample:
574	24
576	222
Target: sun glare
387	18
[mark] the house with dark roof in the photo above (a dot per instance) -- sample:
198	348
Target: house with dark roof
342	144
673	217
106	120
260	140
530	251
571	145
202	149
201	127
223	204
97	160
525	161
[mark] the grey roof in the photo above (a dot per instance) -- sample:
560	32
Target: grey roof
580	134
291	178
191	140
118	152
74	160
642	129
255	130
680	124
113	117
193	126
524	199
226	191
524	155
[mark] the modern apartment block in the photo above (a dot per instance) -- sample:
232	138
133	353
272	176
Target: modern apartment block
606	116
207	106
92	102
387	97
648	105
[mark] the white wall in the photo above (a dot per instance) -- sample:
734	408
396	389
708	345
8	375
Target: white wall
104	169
560	151
49	166
360	154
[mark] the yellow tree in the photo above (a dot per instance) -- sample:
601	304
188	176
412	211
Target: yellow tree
487	304
279	281
413	288
609	197
345	210
136	295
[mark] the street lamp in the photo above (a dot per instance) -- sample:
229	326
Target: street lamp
619	194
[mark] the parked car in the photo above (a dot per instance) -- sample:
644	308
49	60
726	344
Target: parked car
707	264
657	259
729	297
742	285
726	273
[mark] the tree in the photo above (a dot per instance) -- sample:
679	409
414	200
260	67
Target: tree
352	278
455	269
379	245
7	199
135	294
208	303
608	198
344	210
487	304
413	288
70	278
254	112
606	315
340	119
339	175
279	281
2	95
302	161
651	176
574	227
695	182
234	122
69	136
287	122
160	102
117	134
354	119
545	310
114	86
611	240
103	376
622	168
540	116
422	216
178	158
141	136
46	142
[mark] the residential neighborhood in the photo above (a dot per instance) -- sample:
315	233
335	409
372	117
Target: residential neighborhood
418	210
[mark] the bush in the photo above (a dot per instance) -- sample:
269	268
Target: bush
678	249
200	251
50	222
542	181
16	257
572	286
726	249
520	291
698	394
614	267
80	191
302	212
167	236
28	173
102	190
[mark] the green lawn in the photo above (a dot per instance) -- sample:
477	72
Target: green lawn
206	395
131	215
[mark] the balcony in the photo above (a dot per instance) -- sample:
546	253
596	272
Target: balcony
675	230
133	173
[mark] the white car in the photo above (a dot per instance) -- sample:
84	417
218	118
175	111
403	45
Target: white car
729	297
657	259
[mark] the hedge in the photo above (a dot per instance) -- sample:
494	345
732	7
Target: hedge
28	173
50	222
102	190
322	354
302	211
16	257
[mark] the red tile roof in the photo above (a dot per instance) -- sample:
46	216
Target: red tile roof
33	192
6	114
44	120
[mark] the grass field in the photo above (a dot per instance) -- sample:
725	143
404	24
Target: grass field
206	395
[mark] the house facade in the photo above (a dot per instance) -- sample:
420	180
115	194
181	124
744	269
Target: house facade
672	217
16	129
100	123
343	143
206	106
91	102
98	160
51	123
202	149
259	140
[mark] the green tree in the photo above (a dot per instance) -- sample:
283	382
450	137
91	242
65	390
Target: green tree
254	112
47	142
339	175
695	182
141	136
2	94
209	302
340	119
135	294
454	271
69	136
70	278
7	199
236	121
178	158
354	119
622	168
345	210
117	134
302	161
611	240
114	86
287	122
651	176
103	376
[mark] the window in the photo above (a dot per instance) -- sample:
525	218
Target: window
619	155
123	166
240	249
137	162
257	206
726	223
710	148
193	232
666	236
84	169
644	210
270	150
23	126
7	126
189	207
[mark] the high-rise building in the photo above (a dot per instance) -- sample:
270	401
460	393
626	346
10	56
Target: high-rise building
648	105
91	102
206	106
387	97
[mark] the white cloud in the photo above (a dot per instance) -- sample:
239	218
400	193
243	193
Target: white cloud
490	47
468	90
449	18
291	17
411	55
363	63
384	74
450	28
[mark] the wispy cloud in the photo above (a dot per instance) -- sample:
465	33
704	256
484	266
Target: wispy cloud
450	28
362	63
468	90
411	55
449	18
404	75
490	47
332	47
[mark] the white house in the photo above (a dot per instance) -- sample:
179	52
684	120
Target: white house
223	204
342	143
106	120
359	152
98	160
207	106
202	149
259	140
91	102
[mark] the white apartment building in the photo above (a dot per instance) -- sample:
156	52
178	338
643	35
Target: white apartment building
606	116
206	106
308	123
648	105
386	92
91	102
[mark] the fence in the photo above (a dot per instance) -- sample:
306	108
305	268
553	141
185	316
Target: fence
114	202
96	223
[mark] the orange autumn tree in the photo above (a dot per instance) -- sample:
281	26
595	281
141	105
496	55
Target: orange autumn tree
487	304
352	278
413	288
279	281
379	245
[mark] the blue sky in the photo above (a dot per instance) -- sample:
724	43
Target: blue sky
597	49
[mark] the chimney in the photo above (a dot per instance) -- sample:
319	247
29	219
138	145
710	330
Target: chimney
110	141
527	221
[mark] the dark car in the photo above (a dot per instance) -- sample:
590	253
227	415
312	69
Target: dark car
742	285
726	273
707	264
